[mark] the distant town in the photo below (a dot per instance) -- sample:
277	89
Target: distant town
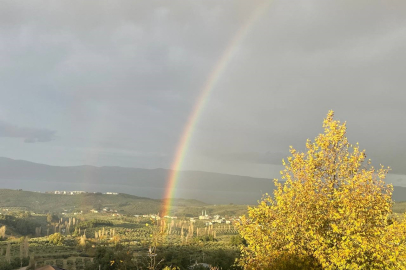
64	192
204	218
209	220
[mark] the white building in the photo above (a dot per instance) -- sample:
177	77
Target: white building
205	216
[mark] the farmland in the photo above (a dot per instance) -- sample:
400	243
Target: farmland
79	236
176	241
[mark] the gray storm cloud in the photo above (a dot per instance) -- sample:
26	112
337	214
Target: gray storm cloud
30	135
120	79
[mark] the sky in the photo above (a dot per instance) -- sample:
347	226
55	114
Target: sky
114	82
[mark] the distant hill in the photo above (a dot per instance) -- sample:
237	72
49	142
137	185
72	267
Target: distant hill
208	187
399	194
212	188
15	200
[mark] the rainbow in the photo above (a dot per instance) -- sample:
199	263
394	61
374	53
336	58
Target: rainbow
203	98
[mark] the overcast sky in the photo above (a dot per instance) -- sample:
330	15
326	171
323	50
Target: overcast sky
114	82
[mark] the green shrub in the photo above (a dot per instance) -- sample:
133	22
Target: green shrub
40	264
59	263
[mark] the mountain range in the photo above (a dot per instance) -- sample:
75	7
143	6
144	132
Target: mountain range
212	188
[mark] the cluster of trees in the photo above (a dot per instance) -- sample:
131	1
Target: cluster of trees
237	240
94	223
112	258
15	263
52	218
334	211
56	239
184	257
166	258
22	225
9	262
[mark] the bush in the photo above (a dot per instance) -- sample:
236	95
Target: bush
56	239
94	223
15	262
59	263
26	261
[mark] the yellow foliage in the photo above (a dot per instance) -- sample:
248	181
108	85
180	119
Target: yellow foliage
332	212
115	239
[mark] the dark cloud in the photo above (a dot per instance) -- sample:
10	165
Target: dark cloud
120	79
30	135
250	157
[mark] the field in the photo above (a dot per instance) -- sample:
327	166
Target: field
178	244
180	241
91	238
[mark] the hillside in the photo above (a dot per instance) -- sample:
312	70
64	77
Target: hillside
211	188
123	203
15	200
214	188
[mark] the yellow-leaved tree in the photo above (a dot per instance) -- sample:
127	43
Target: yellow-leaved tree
333	211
